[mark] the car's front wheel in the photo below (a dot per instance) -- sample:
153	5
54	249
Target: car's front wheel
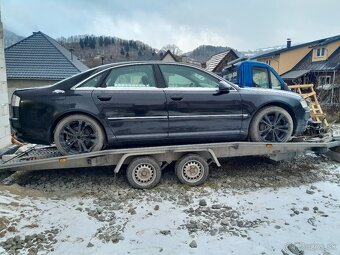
78	133
271	124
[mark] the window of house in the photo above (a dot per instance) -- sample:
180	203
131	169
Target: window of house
276	84
184	77
260	77
320	52
268	61
131	76
323	80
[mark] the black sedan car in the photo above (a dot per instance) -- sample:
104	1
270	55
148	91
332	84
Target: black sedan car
135	103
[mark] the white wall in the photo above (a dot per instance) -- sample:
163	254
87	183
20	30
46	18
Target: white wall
5	131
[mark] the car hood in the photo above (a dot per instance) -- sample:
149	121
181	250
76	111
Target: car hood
270	92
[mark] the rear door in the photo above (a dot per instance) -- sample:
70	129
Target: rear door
132	104
196	107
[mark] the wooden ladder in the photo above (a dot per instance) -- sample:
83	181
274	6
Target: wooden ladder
309	94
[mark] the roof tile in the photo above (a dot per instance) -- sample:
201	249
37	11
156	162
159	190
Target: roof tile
40	57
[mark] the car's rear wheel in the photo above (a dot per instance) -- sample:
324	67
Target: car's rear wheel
78	133
271	124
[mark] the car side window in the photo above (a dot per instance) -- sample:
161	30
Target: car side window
131	76
276	84
260	78
93	82
177	76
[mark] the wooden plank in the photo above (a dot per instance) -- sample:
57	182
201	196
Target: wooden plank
310	95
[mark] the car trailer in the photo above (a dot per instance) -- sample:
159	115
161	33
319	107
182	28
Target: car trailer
145	164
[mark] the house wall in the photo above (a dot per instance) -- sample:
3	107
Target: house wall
5	130
229	57
19	84
274	62
290	58
330	48
168	58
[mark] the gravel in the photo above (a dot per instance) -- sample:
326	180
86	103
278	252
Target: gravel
115	203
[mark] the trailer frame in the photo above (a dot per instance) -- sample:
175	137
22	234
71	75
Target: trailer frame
47	157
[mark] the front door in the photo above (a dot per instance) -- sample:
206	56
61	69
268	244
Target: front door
197	109
132	104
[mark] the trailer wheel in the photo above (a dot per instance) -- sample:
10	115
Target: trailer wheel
192	170
143	173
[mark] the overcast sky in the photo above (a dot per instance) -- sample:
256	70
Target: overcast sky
241	24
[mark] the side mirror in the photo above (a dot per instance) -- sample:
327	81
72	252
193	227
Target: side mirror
224	87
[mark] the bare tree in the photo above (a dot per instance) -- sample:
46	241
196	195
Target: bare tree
174	49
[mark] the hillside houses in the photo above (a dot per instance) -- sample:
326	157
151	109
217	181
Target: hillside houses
316	62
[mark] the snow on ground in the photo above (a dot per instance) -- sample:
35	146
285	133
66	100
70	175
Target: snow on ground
251	208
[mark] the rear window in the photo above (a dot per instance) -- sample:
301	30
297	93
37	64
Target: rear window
230	75
75	79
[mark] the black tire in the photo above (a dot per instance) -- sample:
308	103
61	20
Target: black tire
200	170
78	133
271	124
143	173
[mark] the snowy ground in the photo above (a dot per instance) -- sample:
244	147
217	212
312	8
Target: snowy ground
250	206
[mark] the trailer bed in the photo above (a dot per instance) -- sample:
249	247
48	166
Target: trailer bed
47	157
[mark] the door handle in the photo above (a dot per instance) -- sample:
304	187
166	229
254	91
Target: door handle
104	98
176	98
58	91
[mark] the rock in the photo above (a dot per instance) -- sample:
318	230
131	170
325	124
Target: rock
305	208
202	202
224	222
313	187
165	232
240	223
234	214
213	232
257	185
310	192
296	211
315	208
277	227
193	244
217	206
156	208
227	207
132	211
294	249
89	245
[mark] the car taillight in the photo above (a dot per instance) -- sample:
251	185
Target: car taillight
15	100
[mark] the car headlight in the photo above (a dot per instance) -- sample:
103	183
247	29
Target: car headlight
15	100
304	104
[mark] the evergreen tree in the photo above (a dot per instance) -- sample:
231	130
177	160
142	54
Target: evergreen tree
127	55
81	43
86	41
101	41
122	51
107	41
92	42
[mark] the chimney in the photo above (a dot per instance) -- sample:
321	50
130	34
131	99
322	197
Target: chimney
289	42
